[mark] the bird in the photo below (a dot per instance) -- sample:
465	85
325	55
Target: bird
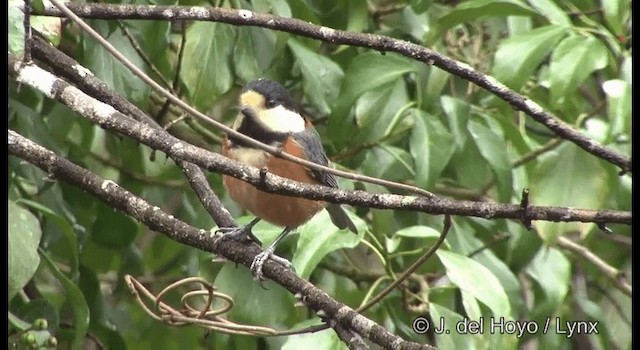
268	113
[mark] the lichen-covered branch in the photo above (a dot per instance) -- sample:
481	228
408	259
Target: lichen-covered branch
377	42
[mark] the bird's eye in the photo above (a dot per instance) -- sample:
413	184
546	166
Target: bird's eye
271	103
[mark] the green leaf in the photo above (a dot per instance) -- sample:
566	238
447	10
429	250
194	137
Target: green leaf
554	285
568	177
523	246
426	234
477	280
617	313
75	298
551	11
16	322
469	172
593	311
277	7
301	10
316	340
40	308
491	147
420	6
388	162
471	305
367	72
50	27
431	146
109	69
266	47
457	112
450	339
618	94
506	277
154	37
24	237
519	56
38	5
418	26
112	229
378	111
519	25
572	61
626	68
465	244
418	232
16	28
358	16
206	70
475	9
252	303
244	56
614	14
322	76
65	226
90	287
319	237
436	81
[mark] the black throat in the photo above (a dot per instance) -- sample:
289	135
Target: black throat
250	127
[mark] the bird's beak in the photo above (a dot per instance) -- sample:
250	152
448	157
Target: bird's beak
248	112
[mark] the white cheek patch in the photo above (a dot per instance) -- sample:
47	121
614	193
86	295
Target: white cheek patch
280	119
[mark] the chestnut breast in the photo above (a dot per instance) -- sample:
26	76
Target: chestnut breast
277	209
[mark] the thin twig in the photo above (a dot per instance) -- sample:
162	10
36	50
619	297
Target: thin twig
387	10
351	272
26	23
207	197
138	177
614	303
406	273
614	275
177	101
158	139
70	68
377	42
183	44
594	11
537	152
495	239
616	238
121	199
166	105
460	193
136	47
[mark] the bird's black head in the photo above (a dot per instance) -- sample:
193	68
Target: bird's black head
267	112
273	93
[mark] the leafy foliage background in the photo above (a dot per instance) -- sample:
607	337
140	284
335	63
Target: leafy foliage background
379	114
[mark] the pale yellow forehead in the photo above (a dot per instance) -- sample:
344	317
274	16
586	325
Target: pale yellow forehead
252	99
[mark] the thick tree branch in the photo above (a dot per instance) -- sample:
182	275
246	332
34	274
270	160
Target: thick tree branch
376	42
88	83
230	131
152	216
108	118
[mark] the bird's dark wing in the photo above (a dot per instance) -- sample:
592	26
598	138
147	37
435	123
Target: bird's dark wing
310	142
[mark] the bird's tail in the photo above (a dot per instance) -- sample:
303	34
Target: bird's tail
340	218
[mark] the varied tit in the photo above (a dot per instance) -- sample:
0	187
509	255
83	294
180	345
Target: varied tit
269	114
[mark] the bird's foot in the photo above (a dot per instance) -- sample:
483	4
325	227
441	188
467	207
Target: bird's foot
239	233
260	259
